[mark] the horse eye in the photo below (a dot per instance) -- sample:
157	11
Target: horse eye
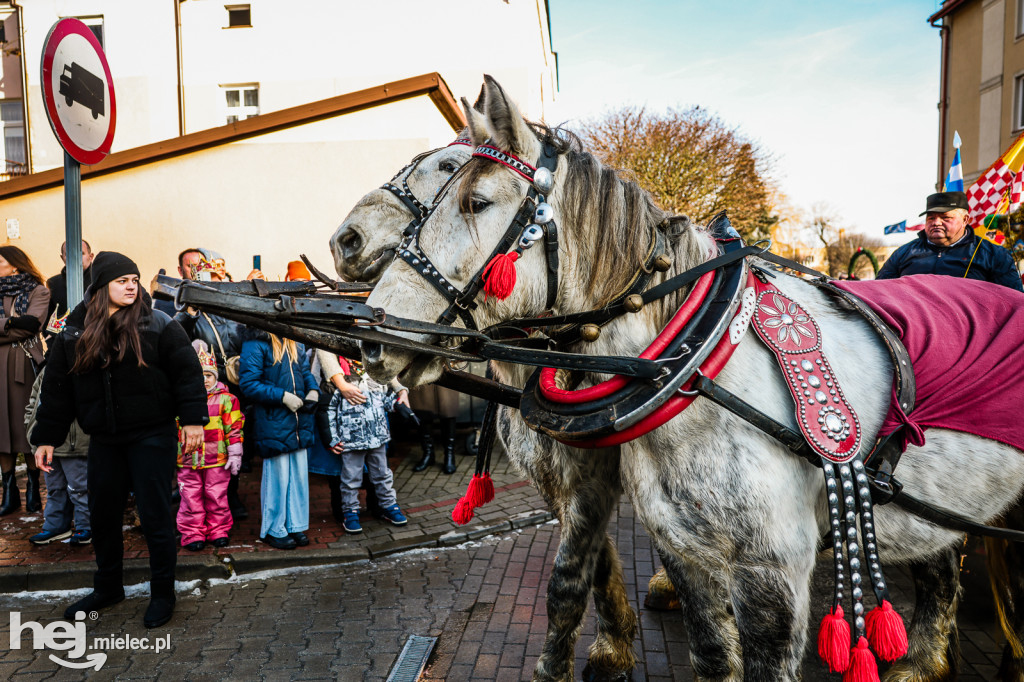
448	167
478	205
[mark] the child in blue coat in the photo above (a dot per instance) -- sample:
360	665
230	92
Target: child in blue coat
274	375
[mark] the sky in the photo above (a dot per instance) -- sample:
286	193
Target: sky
843	95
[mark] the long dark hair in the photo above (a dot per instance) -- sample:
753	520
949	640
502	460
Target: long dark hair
21	262
107	338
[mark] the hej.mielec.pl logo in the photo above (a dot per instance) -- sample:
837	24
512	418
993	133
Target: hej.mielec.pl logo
71	637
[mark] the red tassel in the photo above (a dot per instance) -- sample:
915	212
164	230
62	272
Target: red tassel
475	491
488	488
863	667
500	275
886	632
463	512
834	641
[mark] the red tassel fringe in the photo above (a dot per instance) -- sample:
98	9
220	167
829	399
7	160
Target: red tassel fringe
463	512
500	275
488	488
834	641
863	667
479	492
886	632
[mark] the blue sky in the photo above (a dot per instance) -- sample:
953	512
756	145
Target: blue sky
842	94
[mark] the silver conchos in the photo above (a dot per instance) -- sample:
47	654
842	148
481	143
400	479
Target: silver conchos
543	180
531	234
544	214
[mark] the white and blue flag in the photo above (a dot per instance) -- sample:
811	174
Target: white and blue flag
955	178
897	228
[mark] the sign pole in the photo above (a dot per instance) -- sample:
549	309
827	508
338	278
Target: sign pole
73	229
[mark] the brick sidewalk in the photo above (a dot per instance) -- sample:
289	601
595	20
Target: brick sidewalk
427	498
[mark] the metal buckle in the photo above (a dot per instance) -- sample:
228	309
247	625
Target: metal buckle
693	393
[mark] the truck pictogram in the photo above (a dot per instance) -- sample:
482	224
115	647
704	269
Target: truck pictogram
79	85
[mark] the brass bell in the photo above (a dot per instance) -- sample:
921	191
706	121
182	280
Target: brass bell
633	303
662	262
590	332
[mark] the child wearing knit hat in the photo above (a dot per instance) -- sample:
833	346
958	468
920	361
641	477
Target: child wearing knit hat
203	476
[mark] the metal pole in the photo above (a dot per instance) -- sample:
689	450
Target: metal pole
73	229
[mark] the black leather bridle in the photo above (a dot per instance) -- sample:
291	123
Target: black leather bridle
529	225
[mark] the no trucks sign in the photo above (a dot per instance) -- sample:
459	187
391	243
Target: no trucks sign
78	91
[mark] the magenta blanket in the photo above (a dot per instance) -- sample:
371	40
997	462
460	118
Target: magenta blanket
966	341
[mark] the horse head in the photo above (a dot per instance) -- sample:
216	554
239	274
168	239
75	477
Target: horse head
605	226
364	243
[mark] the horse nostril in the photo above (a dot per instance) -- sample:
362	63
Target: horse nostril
372	351
350	241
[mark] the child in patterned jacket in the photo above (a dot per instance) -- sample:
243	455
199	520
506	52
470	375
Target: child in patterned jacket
359	433
203	476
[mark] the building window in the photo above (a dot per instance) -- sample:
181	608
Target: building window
95	25
239	16
242	102
1018	102
13	150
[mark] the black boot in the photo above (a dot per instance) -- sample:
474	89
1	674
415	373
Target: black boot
161	604
448	430
334	483
33	502
238	510
12	498
428	451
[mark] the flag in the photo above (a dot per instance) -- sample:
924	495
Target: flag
896	229
1016	189
987	195
955	178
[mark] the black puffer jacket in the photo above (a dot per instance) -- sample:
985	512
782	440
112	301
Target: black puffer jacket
124	401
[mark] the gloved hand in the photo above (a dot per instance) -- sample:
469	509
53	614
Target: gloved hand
311	402
26	322
291	401
234	458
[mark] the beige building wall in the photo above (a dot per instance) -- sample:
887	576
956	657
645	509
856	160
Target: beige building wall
277	195
964	82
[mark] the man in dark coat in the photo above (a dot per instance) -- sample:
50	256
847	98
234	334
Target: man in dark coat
58	286
947	246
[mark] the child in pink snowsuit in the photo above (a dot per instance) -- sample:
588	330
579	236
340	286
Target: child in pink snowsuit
203	476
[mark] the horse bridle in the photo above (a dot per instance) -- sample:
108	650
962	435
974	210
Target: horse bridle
405	194
533	221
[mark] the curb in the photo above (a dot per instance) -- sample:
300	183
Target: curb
78	575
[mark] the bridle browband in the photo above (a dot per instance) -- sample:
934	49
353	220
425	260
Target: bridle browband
404	194
532	222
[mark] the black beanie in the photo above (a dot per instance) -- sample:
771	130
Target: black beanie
108	266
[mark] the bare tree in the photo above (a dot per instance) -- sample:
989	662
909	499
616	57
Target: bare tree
692	163
840	243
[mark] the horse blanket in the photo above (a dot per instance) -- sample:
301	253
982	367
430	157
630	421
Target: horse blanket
966	342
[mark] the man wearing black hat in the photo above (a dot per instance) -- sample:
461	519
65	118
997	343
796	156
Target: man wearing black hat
947	246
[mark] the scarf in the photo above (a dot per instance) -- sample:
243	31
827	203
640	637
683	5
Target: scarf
19	286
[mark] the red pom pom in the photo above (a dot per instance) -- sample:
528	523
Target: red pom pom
500	275
463	512
863	667
488	488
834	641
886	632
474	496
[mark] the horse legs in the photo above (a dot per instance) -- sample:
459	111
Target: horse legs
611	655
1006	573
934	652
661	594
771	609
584	547
714	641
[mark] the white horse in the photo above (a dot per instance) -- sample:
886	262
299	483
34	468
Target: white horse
363	246
735	516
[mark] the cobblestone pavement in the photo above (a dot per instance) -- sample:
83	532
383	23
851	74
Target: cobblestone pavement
484	601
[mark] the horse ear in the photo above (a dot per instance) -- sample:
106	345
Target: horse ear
476	122
508	127
479	103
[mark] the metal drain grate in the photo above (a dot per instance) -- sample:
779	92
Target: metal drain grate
413	659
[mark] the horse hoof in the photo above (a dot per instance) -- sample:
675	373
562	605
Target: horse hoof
591	674
662	601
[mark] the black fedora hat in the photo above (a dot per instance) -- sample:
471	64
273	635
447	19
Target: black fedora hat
941	202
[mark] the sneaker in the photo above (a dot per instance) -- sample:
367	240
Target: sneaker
351	523
48	536
395	515
81	537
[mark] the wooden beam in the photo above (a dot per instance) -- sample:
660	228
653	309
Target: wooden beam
430	84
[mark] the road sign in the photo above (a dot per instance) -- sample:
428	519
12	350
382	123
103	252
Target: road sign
78	91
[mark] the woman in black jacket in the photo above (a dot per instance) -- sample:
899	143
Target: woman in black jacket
125	372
